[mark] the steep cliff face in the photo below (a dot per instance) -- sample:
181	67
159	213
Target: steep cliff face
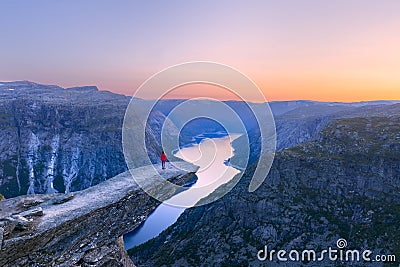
62	140
346	185
84	228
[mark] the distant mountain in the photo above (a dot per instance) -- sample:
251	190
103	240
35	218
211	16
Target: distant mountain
305	122
281	107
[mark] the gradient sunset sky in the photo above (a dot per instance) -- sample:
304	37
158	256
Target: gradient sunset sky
339	50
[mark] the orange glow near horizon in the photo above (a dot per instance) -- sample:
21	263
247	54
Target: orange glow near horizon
333	86
345	51
352	87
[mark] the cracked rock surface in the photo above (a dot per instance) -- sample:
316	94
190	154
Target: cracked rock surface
84	228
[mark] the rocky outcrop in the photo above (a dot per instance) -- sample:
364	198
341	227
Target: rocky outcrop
83	228
345	184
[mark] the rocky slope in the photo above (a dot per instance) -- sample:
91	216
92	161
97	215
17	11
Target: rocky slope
304	121
62	140
84	228
344	184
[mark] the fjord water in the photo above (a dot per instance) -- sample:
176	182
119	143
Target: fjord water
210	155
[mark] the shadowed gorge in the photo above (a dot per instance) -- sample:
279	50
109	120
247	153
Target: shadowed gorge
344	184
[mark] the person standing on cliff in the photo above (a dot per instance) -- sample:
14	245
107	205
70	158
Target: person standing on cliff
163	159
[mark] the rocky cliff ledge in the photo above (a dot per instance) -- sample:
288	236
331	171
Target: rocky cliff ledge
80	229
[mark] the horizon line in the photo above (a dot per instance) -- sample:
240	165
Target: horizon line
187	98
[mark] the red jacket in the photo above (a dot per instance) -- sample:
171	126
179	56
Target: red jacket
163	157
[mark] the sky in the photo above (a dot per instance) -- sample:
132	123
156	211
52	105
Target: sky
338	50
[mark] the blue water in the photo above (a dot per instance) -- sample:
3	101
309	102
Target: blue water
160	219
198	138
165	215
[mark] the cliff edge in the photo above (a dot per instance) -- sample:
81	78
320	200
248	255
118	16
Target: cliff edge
80	229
